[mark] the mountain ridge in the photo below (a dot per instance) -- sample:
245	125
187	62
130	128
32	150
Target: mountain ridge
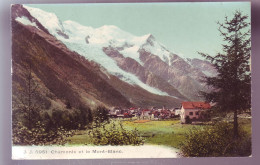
68	76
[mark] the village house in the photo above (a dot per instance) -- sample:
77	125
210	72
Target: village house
146	114
155	115
165	114
193	110
177	111
172	111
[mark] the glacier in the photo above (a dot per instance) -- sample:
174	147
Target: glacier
97	39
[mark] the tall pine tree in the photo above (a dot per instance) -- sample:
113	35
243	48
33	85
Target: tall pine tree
232	85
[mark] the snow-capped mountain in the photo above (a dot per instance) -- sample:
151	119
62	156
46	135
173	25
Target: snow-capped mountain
137	60
89	43
63	75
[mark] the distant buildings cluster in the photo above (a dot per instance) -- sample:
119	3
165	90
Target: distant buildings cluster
188	112
140	113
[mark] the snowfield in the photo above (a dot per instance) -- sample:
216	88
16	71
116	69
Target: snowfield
26	21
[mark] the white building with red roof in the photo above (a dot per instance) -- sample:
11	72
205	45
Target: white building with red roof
193	110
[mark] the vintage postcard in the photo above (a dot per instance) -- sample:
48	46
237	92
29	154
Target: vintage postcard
131	80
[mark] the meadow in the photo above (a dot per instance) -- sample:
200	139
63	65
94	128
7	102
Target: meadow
164	132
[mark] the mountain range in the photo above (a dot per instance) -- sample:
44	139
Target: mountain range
106	66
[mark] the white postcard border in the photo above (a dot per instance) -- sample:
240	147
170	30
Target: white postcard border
92	152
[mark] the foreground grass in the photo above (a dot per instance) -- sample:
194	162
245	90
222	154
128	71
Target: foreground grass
80	138
167	132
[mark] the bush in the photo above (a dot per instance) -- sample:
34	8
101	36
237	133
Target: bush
188	120
100	114
115	134
39	135
214	141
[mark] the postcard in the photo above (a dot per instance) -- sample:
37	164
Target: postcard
131	80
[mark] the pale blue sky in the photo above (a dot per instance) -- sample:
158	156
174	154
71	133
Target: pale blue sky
184	28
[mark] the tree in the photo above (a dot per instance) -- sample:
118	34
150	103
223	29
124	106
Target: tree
29	104
231	88
100	115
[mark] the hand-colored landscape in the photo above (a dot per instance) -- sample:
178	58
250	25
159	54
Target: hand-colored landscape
75	84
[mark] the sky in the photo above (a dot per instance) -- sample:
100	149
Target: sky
184	28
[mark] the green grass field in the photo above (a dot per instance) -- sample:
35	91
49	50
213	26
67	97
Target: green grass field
165	132
169	133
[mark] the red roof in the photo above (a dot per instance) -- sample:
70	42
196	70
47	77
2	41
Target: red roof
195	105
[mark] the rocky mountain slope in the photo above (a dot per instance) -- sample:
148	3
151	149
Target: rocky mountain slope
67	68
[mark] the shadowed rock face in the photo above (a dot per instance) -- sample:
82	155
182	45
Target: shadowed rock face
181	75
145	75
63	75
204	66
